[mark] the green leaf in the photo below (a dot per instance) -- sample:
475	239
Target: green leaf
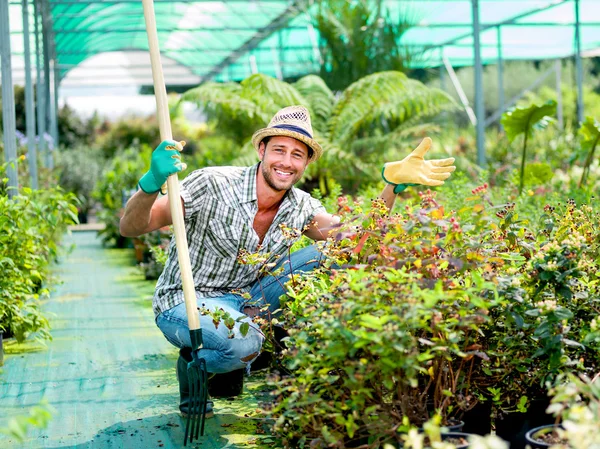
244	328
563	314
522	120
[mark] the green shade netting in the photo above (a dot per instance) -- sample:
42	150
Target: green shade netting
228	40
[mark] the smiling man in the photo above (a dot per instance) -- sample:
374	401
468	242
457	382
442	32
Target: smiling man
229	210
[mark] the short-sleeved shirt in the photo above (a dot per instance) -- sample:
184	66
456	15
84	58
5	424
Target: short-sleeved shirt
219	206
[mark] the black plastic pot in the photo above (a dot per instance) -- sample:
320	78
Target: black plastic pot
531	436
457	435
513	426
478	420
455	426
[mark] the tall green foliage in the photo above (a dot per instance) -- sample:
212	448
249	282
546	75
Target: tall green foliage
355	127
357	39
523	121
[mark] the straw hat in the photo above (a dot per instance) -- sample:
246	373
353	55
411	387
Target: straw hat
293	121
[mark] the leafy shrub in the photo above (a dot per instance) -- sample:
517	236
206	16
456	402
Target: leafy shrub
388	336
31	225
79	169
117	182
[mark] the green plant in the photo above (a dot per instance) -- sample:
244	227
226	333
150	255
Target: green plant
388	331
31	226
79	169
117	183
358	39
38	417
590	135
576	403
524	121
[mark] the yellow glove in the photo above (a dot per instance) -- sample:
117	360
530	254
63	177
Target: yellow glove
413	169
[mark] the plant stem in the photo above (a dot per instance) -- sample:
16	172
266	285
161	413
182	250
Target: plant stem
588	163
523	159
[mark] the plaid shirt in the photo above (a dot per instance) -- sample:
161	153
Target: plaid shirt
220	204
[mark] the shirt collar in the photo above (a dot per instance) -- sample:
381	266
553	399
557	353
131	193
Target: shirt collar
249	188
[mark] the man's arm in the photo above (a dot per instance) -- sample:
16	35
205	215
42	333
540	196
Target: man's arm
144	213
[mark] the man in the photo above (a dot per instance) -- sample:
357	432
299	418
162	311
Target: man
230	209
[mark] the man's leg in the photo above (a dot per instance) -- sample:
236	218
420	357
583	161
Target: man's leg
269	289
222	354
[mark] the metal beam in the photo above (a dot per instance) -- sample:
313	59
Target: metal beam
510	22
29	107
8	104
261	35
479	105
248	29
460	91
143	30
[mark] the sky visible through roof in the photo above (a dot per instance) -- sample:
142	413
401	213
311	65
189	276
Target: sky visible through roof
103	43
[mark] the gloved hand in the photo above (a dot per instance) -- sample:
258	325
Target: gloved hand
166	161
413	169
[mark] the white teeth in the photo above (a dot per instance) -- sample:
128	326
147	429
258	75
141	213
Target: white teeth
283	173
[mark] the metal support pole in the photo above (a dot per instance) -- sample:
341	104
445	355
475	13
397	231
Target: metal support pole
281	54
442	70
579	64
253	66
41	108
49	110
276	63
479	106
500	73
29	106
55	85
8	103
559	98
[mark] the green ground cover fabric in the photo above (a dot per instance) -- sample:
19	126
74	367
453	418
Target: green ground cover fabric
109	373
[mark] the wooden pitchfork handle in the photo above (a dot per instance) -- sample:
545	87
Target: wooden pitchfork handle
164	124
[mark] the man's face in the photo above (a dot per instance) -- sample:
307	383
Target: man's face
284	160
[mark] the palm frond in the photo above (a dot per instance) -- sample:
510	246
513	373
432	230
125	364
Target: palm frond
271	94
383	100
228	97
319	97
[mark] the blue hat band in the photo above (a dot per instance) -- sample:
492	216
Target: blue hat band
295	129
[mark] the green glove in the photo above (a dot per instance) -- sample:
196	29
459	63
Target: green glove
166	161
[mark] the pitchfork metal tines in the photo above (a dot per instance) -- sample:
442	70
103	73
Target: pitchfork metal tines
198	381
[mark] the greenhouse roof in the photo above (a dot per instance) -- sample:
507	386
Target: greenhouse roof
230	39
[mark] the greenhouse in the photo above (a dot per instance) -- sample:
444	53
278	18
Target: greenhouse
300	224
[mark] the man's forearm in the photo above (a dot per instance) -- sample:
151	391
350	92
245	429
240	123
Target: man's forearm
138	211
388	196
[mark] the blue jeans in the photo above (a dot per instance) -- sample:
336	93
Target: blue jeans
224	354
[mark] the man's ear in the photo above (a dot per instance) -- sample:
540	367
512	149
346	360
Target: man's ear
261	150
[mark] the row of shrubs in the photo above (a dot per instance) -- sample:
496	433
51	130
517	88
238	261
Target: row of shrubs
31	226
